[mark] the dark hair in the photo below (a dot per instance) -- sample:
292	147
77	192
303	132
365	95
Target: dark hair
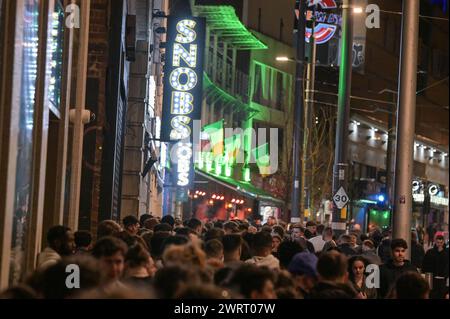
328	231
218	224
411	285
170	279
185	231
261	241
213	248
82	238
177	240
398	242
351	261
214	233
200	291
143	218
57	233
107	228
287	250
193	223
108	246
320	228
137	256
266	228
345	238
279	230
157	243
53	279
162	227
232	226
231	243
332	265
130	220
311	224
168	219
248	278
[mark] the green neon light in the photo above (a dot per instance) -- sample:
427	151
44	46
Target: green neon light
228	171
247	177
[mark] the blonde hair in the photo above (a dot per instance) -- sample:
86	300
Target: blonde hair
188	255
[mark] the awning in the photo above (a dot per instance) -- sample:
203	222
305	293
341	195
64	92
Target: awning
243	188
224	21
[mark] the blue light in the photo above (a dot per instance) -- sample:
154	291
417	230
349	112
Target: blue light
381	198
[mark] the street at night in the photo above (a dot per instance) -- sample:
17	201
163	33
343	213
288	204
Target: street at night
258	150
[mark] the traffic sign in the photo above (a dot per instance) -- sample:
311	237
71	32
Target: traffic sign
341	198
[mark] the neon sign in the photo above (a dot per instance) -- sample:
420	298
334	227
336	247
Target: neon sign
322	33
183	82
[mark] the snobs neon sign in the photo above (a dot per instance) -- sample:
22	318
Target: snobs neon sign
183	93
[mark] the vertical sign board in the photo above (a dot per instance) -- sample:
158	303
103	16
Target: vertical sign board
183	88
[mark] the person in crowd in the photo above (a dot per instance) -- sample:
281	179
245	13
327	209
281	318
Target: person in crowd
262	247
396	266
328	238
214	233
417	251
232	249
170	280
298	234
354	242
376	235
333	278
384	248
257	221
303	268
345	245
201	292
253	282
410	285
168	219
196	225
214	254
271	221
369	252
356	229
357	275
60	242
108	228
318	241
83	242
286	251
276	241
151	223
143	219
431	231
139	267
163	227
278	229
110	252
436	261
190	255
231	227
131	225
311	226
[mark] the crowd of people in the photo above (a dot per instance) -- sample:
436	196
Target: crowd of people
167	258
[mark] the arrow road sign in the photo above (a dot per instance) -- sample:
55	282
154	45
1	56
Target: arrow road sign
341	198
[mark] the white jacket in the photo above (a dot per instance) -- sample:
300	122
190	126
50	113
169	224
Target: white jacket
48	257
269	261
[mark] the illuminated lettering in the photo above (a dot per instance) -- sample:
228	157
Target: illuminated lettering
180	128
180	53
182	103
186	31
188	75
184	156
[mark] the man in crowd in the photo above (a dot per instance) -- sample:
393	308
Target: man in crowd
60	242
318	241
262	251
131	225
436	261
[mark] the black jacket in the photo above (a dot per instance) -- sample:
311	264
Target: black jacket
347	250
436	262
331	290
389	274
417	254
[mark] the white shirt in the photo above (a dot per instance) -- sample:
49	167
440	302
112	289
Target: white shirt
318	243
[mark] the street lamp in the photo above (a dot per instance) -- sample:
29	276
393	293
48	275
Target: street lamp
357	10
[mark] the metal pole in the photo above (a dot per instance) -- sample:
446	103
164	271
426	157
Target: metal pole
308	123
390	155
406	117
345	81
298	115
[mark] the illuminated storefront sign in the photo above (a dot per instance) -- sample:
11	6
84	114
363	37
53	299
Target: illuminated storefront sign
183	82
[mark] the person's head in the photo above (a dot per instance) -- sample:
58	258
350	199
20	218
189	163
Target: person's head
411	285
168	219
232	247
196	225
345	239
188	255
277	229
286	251
138	257
276	241
214	249
297	231
327	233
201	291
398	249
110	252
150	223
356	227
83	239
144	218
312	227
332	266
439	242
54	278
157	243
188	233
231	227
257	220
356	267
162	227
271	221
353	239
262	244
303	268
169	280
368	245
213	233
61	239
131	224
177	240
319	229
253	282
108	228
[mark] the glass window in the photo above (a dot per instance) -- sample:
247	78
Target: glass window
55	57
22	211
